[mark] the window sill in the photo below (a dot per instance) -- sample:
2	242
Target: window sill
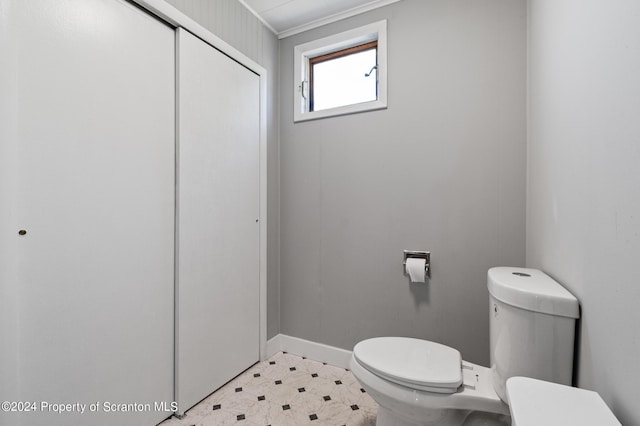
343	110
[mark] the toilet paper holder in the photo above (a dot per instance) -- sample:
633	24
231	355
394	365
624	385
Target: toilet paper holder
419	254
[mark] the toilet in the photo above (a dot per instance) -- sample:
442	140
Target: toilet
422	383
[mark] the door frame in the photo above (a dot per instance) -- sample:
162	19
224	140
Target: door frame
177	19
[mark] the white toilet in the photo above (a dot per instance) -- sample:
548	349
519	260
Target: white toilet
418	382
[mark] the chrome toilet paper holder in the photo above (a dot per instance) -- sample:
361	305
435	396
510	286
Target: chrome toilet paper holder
418	254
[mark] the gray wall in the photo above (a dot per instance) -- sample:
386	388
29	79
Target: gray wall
232	22
442	169
583	203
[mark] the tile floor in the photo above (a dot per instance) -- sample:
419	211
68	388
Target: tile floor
285	390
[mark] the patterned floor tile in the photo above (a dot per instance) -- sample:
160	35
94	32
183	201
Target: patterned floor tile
285	390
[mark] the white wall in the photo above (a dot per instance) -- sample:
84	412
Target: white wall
583	202
232	22
442	169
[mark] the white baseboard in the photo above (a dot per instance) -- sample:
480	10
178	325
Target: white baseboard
317	351
274	345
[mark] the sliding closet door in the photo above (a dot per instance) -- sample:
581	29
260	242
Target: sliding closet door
218	233
86	211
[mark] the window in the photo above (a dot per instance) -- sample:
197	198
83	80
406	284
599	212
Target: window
341	74
341	78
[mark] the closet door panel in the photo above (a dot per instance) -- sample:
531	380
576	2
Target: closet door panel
218	208
87	131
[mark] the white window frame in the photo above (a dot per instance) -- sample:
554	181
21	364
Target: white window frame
302	53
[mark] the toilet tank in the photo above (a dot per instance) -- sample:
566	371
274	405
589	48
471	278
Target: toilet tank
532	327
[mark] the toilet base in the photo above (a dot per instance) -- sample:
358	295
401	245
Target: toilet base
480	418
445	417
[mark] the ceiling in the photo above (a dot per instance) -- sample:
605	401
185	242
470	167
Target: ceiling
288	17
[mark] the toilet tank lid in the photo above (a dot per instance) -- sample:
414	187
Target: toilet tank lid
533	290
535	402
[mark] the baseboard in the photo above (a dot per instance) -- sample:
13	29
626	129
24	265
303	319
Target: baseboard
317	351
274	345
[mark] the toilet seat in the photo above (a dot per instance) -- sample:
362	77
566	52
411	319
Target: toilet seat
414	363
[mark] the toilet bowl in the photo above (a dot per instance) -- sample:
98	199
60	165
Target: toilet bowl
421	383
444	390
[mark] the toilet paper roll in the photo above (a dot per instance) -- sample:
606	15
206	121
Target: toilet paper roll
415	268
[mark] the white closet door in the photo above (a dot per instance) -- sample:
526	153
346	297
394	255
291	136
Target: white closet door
218	233
87	171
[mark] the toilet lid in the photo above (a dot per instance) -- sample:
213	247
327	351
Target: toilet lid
419	364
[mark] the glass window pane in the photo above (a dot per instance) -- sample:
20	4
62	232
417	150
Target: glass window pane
341	81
